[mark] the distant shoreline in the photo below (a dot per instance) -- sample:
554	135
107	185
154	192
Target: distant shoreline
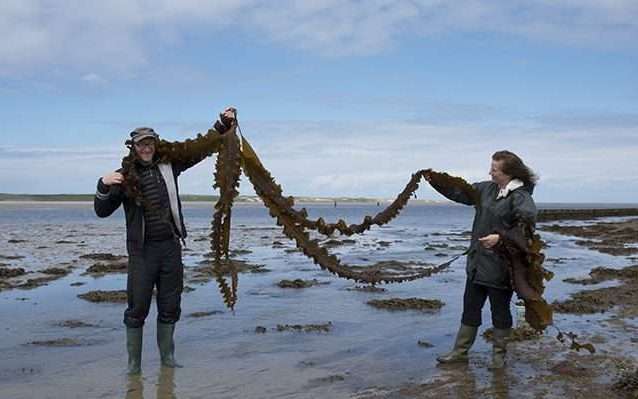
76	198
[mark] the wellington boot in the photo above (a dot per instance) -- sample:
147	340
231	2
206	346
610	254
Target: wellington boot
499	348
464	341
134	349
166	344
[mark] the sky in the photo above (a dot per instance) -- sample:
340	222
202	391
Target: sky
339	98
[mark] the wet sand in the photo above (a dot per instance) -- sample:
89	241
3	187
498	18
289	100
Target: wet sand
316	341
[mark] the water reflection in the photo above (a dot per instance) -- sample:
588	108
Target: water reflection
166	384
135	387
466	388
465	381
165	387
499	388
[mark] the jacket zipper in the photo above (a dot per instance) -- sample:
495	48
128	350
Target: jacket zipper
143	227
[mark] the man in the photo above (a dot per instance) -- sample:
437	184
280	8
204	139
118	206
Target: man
147	188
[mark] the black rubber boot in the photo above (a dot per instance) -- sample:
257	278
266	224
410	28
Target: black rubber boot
134	349
166	344
464	341
499	348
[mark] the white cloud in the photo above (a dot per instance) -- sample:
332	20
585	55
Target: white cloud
365	159
94	79
120	36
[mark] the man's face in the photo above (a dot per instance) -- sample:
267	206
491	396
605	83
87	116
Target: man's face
496	171
145	149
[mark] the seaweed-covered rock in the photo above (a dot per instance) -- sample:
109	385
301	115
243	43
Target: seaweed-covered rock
519	334
228	266
58	342
118	296
75	324
299	283
237	252
106	257
367	288
627	384
610	238
11	257
11	272
325	327
407	304
37	282
111	267
204	314
65	342
56	271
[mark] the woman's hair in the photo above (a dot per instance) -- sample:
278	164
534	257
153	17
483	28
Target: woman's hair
513	166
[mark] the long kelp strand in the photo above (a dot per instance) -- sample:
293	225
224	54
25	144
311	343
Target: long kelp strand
286	204
227	173
190	149
280	209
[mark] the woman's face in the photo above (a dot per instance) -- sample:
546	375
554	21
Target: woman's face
498	177
145	149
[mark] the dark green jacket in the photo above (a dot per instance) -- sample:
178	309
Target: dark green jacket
485	266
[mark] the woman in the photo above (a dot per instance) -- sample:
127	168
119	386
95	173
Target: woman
503	203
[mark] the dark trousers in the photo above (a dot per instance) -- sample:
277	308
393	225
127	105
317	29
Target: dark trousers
159	265
474	299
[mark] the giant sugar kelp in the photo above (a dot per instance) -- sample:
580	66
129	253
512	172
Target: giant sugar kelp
521	245
234	156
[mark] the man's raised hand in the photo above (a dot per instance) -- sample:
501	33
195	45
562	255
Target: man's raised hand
112	178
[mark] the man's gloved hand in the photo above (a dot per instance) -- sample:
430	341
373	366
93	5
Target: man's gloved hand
427	175
227	119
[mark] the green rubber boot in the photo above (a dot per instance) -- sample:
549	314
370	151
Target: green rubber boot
499	348
134	349
464	341
166	344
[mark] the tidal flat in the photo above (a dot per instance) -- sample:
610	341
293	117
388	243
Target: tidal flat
319	340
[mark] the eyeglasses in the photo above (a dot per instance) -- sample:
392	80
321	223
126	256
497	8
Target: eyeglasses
148	144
